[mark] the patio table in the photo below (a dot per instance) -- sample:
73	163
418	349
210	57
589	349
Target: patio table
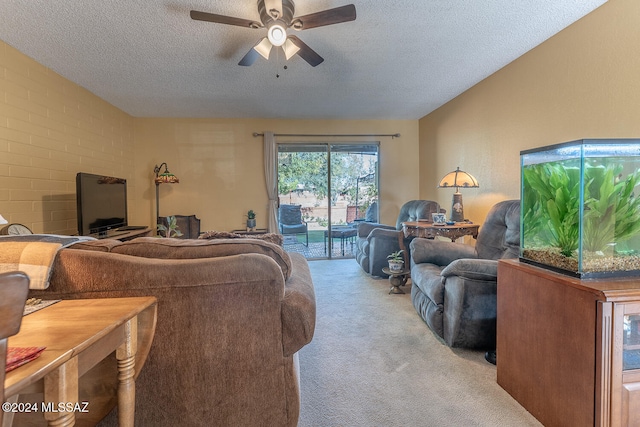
341	232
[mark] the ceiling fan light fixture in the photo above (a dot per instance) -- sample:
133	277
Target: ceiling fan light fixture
263	48
277	35
290	49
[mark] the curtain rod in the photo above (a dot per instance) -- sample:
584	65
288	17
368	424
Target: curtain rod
392	135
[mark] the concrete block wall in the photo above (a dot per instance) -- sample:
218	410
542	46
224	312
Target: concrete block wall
51	129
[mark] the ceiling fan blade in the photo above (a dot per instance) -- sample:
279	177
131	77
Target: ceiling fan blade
326	17
306	52
222	19
262	48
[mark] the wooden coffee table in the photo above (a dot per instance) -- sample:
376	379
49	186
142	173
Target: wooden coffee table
78	334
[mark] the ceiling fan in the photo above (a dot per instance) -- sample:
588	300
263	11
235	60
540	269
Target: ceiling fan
277	17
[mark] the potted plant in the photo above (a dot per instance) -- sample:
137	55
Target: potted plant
251	220
396	260
172	230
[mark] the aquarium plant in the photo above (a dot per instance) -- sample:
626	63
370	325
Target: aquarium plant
552	210
612	210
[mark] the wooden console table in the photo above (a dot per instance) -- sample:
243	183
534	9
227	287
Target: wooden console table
78	334
127	234
568	350
430	231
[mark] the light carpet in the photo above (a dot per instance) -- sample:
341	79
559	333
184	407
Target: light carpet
374	362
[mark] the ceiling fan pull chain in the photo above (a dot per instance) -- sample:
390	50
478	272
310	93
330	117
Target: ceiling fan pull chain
277	63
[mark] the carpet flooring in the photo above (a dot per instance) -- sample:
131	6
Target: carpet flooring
374	362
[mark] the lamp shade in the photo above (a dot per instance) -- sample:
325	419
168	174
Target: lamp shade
2	220
458	178
165	177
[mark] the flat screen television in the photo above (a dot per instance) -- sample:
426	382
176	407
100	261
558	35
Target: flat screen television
102	203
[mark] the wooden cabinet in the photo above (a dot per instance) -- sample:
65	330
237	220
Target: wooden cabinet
568	349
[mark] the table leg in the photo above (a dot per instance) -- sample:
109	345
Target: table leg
7	420
60	388
126	355
396	282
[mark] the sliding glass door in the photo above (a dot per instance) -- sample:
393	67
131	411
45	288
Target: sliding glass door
333	187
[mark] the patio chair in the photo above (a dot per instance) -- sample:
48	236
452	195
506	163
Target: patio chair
290	221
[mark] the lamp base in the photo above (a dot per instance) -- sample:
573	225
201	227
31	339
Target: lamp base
457	210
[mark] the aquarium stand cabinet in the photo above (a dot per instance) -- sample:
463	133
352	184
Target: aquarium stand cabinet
568	350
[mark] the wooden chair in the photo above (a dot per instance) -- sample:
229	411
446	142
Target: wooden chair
14	287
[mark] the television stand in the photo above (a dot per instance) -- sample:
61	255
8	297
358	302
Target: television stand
127	235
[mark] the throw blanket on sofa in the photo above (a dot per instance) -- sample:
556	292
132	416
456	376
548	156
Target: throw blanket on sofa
34	255
268	237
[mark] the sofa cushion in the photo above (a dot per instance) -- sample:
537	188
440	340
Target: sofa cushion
152	247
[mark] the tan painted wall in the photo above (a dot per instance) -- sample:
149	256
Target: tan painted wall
220	164
581	83
50	129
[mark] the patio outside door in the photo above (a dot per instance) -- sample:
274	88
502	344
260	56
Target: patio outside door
334	185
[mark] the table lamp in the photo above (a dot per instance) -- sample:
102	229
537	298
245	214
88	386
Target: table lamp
165	177
457	179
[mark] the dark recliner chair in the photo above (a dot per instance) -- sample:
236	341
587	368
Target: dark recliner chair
376	241
290	221
188	225
454	285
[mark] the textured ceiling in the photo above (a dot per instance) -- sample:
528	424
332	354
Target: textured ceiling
400	59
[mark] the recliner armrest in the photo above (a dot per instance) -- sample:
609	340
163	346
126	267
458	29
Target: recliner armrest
381	233
365	228
475	269
439	252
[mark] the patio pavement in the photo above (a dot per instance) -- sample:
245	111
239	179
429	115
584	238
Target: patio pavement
318	250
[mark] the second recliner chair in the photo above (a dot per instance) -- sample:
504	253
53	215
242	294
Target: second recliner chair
376	241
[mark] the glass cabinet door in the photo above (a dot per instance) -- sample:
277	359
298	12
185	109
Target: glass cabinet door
631	342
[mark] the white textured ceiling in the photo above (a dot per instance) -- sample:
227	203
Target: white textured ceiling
400	59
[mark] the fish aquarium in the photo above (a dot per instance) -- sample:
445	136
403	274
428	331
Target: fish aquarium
580	207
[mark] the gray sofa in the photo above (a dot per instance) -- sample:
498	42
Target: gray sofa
375	241
454	285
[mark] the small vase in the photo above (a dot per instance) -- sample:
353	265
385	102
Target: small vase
251	223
